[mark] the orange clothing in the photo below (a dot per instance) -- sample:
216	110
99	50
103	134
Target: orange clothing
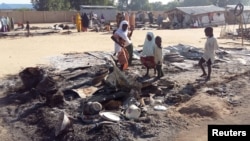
123	58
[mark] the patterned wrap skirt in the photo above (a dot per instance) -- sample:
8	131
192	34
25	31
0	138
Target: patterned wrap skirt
148	61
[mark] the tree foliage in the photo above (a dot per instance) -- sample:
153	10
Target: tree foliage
123	4
220	3
139	5
75	4
195	3
172	5
157	6
133	5
223	3
50	5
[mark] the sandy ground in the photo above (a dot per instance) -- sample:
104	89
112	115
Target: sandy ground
20	52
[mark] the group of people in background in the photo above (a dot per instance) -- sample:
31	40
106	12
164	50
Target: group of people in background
85	20
6	24
143	16
151	55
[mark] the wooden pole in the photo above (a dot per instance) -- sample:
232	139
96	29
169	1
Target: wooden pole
241	28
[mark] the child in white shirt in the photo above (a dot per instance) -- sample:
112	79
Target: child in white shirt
209	53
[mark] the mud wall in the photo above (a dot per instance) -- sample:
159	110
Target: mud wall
39	16
48	16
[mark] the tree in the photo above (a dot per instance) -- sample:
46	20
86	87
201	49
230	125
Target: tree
195	3
75	4
157	6
123	4
49	5
139	5
172	5
223	3
133	5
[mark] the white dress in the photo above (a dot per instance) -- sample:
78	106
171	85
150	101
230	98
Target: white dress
210	46
0	25
148	47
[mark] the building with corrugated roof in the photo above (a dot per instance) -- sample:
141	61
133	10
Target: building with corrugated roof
231	18
202	16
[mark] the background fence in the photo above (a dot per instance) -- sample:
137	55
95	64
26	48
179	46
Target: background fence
39	16
47	16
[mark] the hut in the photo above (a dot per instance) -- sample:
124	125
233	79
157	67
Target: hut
196	16
109	12
231	18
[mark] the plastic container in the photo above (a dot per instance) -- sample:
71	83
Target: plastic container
133	112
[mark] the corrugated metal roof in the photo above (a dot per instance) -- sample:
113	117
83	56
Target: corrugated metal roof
232	7
97	7
197	10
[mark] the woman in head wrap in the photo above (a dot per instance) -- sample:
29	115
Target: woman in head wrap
4	24
1	25
85	22
123	33
102	19
148	46
147	56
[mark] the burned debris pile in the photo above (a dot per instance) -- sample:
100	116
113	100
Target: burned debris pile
94	100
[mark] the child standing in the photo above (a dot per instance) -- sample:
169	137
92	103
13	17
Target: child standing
28	28
158	56
209	53
116	45
123	56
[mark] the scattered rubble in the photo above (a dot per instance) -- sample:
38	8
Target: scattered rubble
94	100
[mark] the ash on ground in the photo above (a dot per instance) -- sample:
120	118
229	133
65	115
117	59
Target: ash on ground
63	101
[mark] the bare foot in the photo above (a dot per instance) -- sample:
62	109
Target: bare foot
162	75
203	75
207	79
158	77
